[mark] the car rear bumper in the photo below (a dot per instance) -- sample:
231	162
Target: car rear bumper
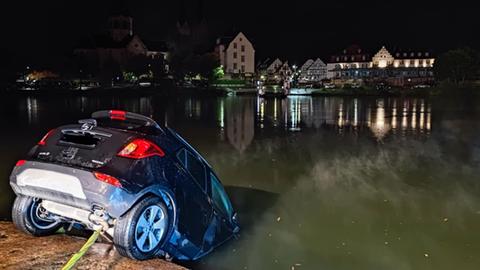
70	186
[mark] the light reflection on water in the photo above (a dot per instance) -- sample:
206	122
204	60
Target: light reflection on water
319	183
381	115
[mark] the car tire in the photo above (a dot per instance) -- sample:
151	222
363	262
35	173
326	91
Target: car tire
137	234
26	218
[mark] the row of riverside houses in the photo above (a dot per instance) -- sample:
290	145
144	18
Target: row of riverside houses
237	56
352	66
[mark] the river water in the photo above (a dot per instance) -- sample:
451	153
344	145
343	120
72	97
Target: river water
319	183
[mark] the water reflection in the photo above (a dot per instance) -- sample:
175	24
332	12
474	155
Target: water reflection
347	114
32	110
325	182
240	123
238	117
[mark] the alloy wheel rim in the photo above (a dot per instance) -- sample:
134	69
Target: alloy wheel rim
150	228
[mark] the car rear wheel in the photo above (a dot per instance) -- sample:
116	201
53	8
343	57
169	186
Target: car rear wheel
140	233
30	217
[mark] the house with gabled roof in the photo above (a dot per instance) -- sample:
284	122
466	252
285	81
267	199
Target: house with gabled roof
236	54
313	71
118	45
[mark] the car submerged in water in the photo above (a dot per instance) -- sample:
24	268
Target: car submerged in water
143	185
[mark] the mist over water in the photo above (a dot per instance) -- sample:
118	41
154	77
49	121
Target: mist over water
319	183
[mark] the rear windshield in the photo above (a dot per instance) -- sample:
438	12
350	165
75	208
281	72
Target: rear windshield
129	124
85	140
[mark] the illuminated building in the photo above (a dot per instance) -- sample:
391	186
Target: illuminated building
353	62
236	55
313	71
382	58
400	68
274	71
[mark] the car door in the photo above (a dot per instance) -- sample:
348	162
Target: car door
223	212
195	210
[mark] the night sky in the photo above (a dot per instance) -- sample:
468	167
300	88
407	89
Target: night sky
46	31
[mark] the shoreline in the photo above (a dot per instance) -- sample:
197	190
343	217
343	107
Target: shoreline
21	251
219	92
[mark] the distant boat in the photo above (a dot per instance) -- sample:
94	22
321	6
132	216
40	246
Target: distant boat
300	91
88	85
274	91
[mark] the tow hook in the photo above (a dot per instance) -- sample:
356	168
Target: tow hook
102	221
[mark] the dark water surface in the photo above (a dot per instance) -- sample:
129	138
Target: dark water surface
319	183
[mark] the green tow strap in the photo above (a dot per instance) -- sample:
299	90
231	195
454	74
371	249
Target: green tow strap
77	256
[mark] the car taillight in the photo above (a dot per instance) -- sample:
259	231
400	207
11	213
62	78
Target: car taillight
141	148
43	141
20	163
107	179
118	115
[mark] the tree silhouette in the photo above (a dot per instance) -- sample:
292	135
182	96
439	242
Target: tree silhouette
457	66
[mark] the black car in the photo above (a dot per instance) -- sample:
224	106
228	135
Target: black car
142	184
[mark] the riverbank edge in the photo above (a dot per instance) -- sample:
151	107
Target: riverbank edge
212	92
21	251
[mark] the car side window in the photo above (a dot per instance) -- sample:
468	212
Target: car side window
219	197
193	165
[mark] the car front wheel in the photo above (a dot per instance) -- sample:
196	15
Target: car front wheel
141	232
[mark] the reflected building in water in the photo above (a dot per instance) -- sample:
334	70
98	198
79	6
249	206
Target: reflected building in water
240	122
239	117
193	108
